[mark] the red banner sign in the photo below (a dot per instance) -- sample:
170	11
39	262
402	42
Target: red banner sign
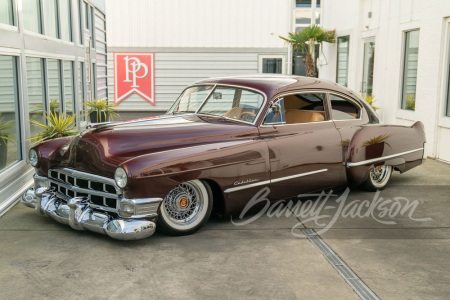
134	72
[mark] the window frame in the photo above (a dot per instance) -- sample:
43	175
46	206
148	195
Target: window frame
359	105
403	65
10	170
14	26
281	96
262	57
337	58
71	29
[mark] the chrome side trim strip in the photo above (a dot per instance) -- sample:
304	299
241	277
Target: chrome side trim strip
373	160
298	175
238	188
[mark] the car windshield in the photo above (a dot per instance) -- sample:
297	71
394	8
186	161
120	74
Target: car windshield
230	102
234	103
190	100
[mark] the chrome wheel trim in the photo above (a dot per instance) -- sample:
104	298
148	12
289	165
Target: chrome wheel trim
380	175
185	206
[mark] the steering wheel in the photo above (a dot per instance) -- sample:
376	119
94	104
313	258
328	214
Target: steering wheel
251	116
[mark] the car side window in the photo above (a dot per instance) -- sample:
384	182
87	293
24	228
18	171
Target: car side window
275	114
304	108
343	109
297	108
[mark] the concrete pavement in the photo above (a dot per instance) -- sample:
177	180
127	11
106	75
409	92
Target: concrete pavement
40	258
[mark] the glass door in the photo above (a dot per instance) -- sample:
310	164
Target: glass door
369	59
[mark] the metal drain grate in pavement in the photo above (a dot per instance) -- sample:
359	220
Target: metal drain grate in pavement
349	276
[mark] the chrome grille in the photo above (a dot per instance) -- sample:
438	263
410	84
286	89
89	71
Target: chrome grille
100	191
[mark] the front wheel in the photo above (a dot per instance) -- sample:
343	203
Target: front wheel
186	208
378	178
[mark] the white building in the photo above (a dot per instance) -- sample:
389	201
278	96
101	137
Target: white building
193	40
52	54
398	50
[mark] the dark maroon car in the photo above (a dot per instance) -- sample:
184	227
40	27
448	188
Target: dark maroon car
221	142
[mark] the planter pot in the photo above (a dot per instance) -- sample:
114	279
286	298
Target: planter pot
3	152
375	150
102	117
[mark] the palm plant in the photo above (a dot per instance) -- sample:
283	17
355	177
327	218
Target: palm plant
306	40
101	109
59	125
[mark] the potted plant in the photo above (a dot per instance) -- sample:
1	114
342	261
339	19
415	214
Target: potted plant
375	146
59	125
4	138
306	40
99	110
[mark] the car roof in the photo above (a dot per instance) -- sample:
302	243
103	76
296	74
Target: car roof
273	84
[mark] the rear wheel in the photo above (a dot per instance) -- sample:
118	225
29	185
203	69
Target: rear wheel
378	178
186	208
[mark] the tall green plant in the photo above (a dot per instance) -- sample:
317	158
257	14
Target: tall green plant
306	40
59	125
101	106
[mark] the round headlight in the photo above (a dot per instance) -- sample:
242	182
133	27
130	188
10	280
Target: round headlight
121	178
33	157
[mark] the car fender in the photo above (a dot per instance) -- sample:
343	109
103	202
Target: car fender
155	174
399	146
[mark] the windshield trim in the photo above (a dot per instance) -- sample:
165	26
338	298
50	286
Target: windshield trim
262	108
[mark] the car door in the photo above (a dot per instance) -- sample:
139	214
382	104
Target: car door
304	145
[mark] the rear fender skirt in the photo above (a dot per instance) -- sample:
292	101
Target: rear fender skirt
399	146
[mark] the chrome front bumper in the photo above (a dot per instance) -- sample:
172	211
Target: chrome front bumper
77	213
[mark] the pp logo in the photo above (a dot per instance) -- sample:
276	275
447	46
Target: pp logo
134	73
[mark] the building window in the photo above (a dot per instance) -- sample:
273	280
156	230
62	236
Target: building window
9	113
54	85
80	21
410	59
93	81
69	99
368	67
92	27
82	90
6	12
31	10
65	14
272	65
342	60
50	18
35	92
86	15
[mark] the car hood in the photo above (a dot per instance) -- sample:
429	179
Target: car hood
101	150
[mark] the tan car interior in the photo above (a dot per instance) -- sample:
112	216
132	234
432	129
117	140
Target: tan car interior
294	114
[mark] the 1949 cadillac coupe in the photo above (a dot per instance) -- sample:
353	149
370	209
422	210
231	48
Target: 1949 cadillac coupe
223	140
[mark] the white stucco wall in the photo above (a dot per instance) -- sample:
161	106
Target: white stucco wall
389	20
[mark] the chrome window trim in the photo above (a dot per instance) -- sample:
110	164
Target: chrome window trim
238	188
373	160
240	87
278	98
361	108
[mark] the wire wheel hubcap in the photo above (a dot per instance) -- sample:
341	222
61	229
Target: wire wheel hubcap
184	204
380	174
